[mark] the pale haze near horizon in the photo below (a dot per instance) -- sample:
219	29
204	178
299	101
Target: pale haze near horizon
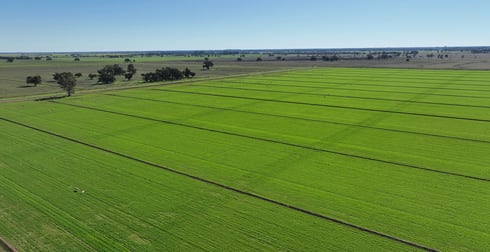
51	25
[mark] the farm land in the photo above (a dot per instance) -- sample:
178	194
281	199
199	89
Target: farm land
295	155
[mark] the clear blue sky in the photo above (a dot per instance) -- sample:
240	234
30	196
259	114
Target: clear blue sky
110	25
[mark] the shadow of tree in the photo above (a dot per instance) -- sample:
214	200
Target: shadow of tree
51	98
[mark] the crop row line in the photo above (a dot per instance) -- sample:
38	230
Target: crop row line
354	89
345	96
280	142
327	105
389	77
382	85
303	119
229	188
384	78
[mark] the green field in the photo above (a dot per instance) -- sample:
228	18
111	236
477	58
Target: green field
321	159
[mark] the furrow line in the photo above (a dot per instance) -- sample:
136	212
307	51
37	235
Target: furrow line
229	188
389	85
302	119
359	77
327	105
354	89
280	142
345	96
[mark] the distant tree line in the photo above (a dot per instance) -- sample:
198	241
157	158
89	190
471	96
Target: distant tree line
106	75
12	58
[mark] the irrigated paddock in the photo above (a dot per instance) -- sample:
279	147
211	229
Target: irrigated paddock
319	159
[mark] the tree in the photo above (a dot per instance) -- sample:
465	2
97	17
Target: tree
128	76
33	80
239	59
313	58
188	73
131	69
207	64
130	72
108	74
106	77
67	81
163	74
10	60
127	60
259	59
77	59
78	75
92	76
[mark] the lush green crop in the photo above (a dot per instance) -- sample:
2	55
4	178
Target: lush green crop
400	152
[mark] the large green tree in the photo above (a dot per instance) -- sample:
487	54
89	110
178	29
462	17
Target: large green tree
67	81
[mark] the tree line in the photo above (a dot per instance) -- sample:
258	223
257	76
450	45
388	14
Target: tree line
107	75
167	74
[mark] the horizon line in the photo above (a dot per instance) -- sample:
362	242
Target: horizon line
250	49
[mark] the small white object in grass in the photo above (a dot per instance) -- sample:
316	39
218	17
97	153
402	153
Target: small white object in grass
83	191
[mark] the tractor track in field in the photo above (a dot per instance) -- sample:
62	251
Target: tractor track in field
353	89
302	119
229	188
281	142
7	246
385	85
343	96
327	105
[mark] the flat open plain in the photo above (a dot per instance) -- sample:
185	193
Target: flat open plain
318	159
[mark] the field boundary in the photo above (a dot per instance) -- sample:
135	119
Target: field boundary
256	196
282	143
303	119
387	85
7	246
344	96
327	105
355	89
143	85
357	77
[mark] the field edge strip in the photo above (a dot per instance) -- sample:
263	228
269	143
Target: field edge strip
343	96
350	89
327	105
229	188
